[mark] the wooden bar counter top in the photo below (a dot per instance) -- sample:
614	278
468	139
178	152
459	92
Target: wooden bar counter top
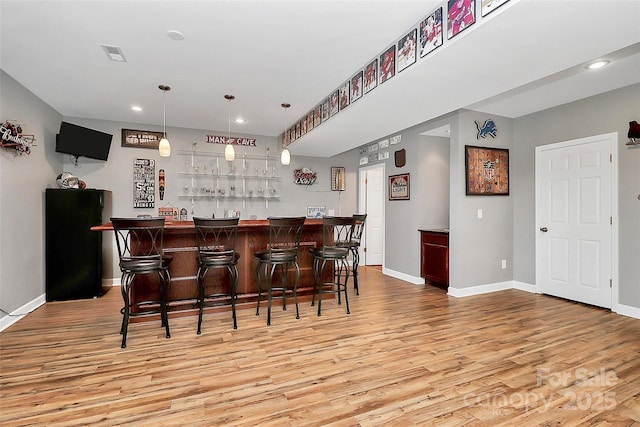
253	235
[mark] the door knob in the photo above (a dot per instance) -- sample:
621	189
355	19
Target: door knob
544	229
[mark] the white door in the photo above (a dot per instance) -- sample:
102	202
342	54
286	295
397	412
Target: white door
372	203
574	188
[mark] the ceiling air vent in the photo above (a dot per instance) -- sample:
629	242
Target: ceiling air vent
114	53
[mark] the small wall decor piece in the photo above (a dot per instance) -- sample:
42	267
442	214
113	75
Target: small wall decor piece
395	139
168	212
399	187
144	192
634	133
13	139
141	138
316	211
488	128
304	176
161	183
431	32
487	171
338	179
460	15
232	140
400	158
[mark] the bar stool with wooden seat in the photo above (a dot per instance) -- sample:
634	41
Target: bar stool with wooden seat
283	250
335	231
140	245
216	240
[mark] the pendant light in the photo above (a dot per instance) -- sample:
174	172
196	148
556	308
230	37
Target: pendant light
164	148
229	151
285	157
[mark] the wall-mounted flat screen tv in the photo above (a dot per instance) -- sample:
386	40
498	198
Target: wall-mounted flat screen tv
81	141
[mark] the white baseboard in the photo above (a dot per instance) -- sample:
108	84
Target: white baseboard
478	290
111	282
20	312
527	287
402	276
627	310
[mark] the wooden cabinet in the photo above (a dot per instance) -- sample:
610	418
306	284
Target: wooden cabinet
434	257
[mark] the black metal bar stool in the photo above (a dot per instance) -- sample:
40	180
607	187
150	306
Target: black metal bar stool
216	240
354	246
139	242
335	232
283	250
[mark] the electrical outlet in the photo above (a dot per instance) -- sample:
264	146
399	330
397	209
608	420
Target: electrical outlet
504	263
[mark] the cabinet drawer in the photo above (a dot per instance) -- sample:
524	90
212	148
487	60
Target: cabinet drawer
435	238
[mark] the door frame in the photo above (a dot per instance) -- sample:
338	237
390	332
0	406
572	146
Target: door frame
362	206
613	141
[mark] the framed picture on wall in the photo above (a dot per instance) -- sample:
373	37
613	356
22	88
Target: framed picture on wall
460	15
407	50
388	64
334	103
489	6
324	110
431	32
399	187
356	86
345	95
487	171
371	76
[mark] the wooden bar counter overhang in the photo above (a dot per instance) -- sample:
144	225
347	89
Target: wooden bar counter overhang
253	235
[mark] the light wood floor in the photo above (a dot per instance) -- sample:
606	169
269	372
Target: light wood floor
407	355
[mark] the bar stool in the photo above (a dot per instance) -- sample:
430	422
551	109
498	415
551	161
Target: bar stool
139	242
354	246
283	250
335	232
216	240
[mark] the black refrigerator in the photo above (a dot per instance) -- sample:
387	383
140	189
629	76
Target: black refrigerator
74	253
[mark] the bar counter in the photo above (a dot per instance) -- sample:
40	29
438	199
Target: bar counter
253	235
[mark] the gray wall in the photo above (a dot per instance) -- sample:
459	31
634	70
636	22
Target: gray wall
428	207
606	113
23	180
478	246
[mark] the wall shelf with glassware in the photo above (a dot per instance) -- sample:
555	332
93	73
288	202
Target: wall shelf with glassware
208	176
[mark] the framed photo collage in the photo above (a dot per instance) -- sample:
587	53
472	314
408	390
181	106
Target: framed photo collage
452	18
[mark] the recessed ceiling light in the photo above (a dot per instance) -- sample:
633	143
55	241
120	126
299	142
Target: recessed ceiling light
136	108
239	120
175	35
597	64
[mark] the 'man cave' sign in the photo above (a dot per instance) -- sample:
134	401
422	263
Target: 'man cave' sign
217	139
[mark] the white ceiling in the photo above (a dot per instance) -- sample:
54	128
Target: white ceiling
525	56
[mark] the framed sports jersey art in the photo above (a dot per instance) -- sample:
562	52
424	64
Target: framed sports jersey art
461	14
